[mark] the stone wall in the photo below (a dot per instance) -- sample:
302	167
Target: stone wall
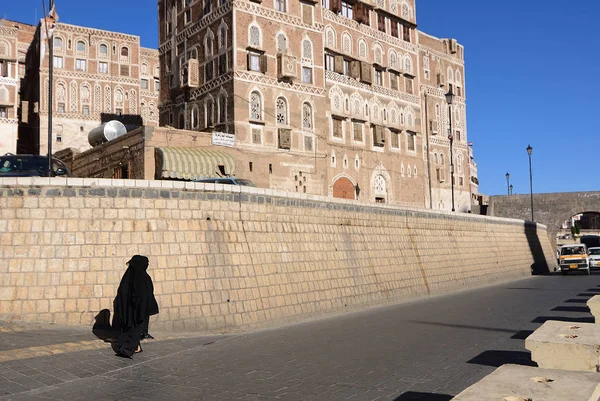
551	209
227	257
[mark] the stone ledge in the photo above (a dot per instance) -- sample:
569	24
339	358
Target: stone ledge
567	346
520	383
594	304
250	193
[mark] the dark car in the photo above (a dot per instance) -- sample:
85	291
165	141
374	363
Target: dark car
227	181
31	166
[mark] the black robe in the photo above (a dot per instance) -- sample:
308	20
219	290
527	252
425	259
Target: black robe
134	304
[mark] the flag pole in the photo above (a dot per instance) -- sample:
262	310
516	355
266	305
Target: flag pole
50	90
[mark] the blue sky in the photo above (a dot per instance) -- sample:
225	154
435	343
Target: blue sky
532	71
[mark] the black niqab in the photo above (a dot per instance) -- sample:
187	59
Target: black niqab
135	300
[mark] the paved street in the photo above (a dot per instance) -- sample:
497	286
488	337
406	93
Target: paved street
430	349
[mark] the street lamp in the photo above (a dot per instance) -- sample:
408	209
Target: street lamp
529	150
449	100
508	182
511	189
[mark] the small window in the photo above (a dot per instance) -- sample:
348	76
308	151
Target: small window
280	5
58	43
103	50
381	22
144	84
393	81
86	110
358	131
329	62
80	65
124	52
337	128
103	68
410	137
347	10
256	136
58	62
395	139
61	108
3	112
156	85
307	77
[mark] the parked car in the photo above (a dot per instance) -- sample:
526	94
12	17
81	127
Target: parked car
574	257
30	166
594	257
227	181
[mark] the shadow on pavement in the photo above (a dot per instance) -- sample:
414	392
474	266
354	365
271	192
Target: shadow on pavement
499	358
414	396
464	326
102	328
522	335
587	294
540	264
583	309
593	290
544	319
576	301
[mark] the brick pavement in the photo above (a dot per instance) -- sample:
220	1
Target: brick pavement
428	349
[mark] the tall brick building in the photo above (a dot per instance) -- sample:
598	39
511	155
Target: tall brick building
95	72
15	38
335	97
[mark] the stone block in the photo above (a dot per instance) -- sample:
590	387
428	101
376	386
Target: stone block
566	346
594	304
522	383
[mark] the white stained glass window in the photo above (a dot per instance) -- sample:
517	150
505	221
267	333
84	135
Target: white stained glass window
307	52
281	111
58	62
255	106
307	116
80	46
254	36
281	43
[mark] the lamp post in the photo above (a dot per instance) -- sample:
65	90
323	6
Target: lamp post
449	100
508	182
529	150
511	189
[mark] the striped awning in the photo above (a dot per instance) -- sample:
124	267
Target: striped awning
192	164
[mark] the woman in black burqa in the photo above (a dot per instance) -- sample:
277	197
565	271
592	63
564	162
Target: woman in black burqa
134	304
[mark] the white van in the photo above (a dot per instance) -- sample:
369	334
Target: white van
574	257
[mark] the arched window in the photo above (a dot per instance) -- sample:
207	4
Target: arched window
181	121
144	69
193	56
124	52
254	36
85	94
458	78
282	44
282	111
222	38
255	106
208	44
435	158
377	54
209	112
347	43
195	114
459	162
393	59
307	122
450	74
222	108
80	46
4	48
362	49
437	111
442	162
58	43
330	37
103	50
408	64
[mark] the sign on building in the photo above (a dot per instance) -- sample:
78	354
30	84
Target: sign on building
223	139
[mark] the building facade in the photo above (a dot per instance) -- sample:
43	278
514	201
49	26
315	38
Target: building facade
331	98
15	38
96	72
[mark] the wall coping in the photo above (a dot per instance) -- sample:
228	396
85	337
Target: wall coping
171	189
